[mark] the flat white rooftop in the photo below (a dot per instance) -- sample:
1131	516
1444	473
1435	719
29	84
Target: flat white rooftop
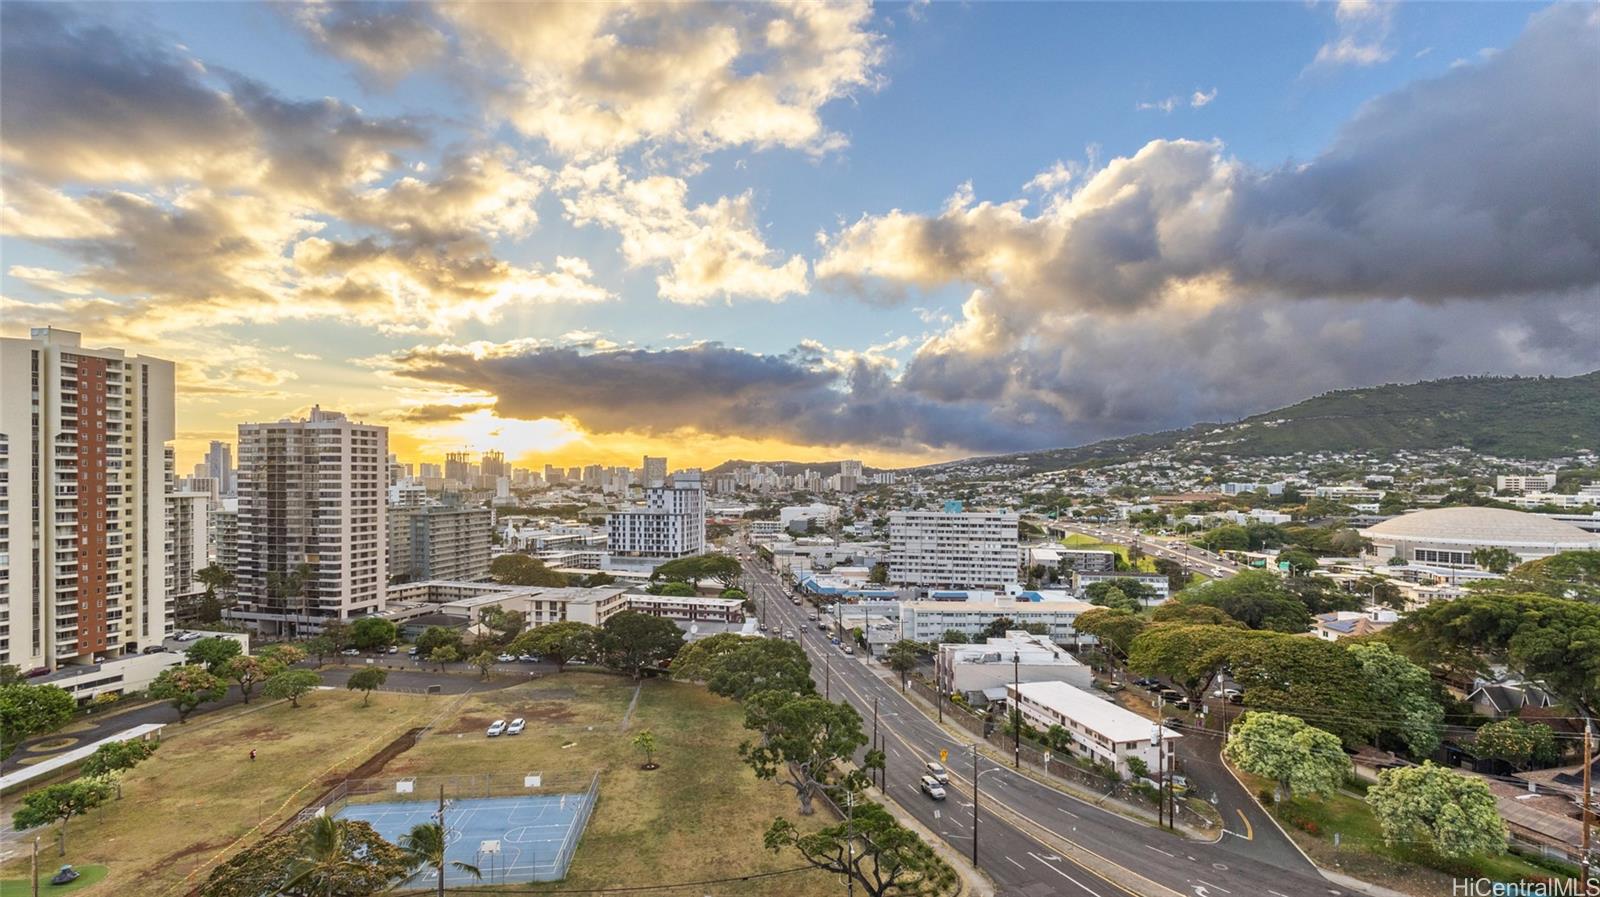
1103	717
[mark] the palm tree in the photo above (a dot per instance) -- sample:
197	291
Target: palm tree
425	844
323	859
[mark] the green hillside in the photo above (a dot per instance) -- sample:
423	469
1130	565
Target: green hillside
1511	417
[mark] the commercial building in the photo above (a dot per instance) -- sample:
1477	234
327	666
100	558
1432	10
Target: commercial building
439	542
311	493
1447	537
1100	729
654	472
980	672
83	436
953	549
1527	482
928	621
218	465
672	523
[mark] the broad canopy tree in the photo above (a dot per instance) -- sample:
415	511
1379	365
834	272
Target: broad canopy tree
1301	759
187	687
60	803
29	710
560	643
801	737
874	850
632	642
289	685
1454	814
1257	598
214	653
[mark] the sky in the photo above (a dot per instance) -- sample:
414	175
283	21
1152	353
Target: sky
902	233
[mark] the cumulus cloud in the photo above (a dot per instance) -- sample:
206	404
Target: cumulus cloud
710	251
1433	192
598	78
1363	34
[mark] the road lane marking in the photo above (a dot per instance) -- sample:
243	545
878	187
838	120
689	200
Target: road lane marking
1210	885
1159	850
1069	812
1017	864
1249	830
1064	875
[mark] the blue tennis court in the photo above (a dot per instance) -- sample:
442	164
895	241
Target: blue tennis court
509	839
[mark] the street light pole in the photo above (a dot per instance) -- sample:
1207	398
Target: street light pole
827	679
1016	709
875	734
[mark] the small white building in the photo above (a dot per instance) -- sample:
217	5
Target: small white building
928	621
1155	582
971	669
1100	729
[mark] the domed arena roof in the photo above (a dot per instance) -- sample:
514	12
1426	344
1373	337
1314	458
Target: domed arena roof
1482	526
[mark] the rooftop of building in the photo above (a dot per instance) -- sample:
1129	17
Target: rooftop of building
1482	526
1102	716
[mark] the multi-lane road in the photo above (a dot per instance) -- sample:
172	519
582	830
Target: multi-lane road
1032	839
1192	557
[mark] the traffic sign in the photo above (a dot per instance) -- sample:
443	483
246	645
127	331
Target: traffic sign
944	755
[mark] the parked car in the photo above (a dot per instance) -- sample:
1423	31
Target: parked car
931	787
497	727
351	652
506	658
394	649
516	727
528	658
849	650
412	651
939	773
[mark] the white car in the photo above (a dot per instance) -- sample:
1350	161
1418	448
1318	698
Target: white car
351	652
931	787
498	727
506	658
939	773
516	727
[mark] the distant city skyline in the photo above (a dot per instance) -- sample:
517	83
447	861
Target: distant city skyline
904	234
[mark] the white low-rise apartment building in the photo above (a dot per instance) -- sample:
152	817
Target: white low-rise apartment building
928	621
1155	582
1100	729
972	670
953	549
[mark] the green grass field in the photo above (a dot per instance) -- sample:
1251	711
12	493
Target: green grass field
88	876
1313	823
699	816
200	794
1090	543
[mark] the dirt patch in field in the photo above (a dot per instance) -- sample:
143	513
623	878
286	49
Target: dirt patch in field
548	713
260	733
202	848
467	724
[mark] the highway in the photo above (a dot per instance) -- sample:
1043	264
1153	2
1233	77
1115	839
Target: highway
1192	557
1033	839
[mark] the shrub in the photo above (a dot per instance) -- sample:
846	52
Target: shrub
1265	796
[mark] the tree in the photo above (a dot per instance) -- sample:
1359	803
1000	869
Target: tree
60	803
674	589
1542	639
646	742
320	647
1198	614
365	681
1516	742
801	737
903	657
444	654
1297	561
214	653
187	687
954	637
1256	598
285	655
1569	574
1302	759
248	672
1191	656
337	632
1347	542
326	857
872	849
506	625
437	637
723	568
879	574
632	642
1115	629
1226	538
1408	710
559	642
522	570
110	760
215	578
424	846
1177	577
288	588
369	633
1455	814
484	661
11	674
699	660
761	665
1111	595
289	685
29	710
1319	682
734	595
1495	560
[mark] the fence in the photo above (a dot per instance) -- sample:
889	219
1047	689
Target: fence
1056	764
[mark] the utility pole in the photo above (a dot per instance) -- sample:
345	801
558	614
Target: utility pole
1016	709
938	684
827	678
974	803
1588	761
1156	742
875	735
35	866
850	841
